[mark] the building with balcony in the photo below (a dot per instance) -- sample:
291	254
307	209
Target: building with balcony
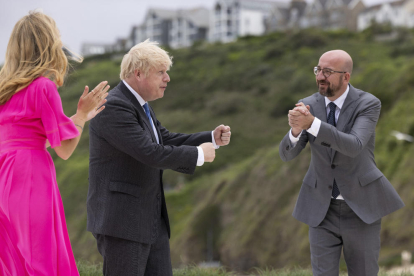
332	14
397	13
235	18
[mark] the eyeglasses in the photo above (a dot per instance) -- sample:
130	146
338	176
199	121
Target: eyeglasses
326	71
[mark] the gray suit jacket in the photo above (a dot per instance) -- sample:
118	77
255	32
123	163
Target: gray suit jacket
126	195
346	154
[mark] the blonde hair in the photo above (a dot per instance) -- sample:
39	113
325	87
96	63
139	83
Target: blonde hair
144	56
34	50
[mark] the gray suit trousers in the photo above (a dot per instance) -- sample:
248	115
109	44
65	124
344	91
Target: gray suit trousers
130	258
342	228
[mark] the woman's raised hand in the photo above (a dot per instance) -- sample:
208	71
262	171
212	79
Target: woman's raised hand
91	103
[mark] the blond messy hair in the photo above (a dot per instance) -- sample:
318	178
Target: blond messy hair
34	50
143	57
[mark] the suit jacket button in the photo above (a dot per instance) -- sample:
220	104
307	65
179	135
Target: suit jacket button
158	196
287	147
330	187
333	166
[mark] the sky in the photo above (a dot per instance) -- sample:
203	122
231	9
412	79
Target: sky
79	21
94	21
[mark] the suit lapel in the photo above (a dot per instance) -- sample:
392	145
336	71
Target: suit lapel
346	112
348	108
320	108
138	107
320	113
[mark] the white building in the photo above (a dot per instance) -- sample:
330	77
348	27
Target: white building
333	14
157	24
283	18
90	49
235	18
174	28
397	13
189	26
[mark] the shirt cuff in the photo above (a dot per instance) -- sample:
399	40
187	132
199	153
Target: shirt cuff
200	158
314	129
294	140
214	141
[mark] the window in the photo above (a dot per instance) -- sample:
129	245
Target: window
218	9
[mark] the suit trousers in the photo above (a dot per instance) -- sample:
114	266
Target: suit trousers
343	229
130	258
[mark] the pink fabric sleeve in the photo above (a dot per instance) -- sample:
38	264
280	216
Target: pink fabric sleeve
58	126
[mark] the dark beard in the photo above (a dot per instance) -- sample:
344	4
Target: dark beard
331	91
328	93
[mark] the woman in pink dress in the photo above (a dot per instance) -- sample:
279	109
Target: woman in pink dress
33	235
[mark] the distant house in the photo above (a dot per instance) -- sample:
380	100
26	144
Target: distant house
235	18
332	14
397	13
120	45
189	26
157	25
282	18
174	28
89	49
134	36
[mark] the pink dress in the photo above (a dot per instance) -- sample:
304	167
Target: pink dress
33	236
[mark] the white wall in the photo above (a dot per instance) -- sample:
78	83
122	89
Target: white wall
251	23
396	15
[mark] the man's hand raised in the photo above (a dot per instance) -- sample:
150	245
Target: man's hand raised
209	152
222	135
300	118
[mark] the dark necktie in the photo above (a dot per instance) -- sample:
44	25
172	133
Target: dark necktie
331	121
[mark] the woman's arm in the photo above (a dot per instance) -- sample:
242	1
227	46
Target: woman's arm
90	104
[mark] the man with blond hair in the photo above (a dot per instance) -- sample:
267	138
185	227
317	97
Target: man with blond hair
129	149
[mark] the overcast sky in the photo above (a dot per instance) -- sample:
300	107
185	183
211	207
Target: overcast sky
86	20
81	21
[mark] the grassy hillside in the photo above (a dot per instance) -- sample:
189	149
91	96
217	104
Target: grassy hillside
86	269
237	210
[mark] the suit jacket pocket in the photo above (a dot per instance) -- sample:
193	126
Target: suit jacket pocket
310	180
370	176
125	188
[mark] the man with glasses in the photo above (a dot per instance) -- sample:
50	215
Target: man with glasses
344	195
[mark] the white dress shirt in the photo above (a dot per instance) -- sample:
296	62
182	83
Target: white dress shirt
316	125
200	158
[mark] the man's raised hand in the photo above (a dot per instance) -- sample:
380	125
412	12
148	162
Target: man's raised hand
209	152
222	135
300	118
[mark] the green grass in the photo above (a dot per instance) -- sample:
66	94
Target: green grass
243	200
197	271
88	269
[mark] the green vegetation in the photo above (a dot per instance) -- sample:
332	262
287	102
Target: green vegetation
238	209
196	271
86	269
